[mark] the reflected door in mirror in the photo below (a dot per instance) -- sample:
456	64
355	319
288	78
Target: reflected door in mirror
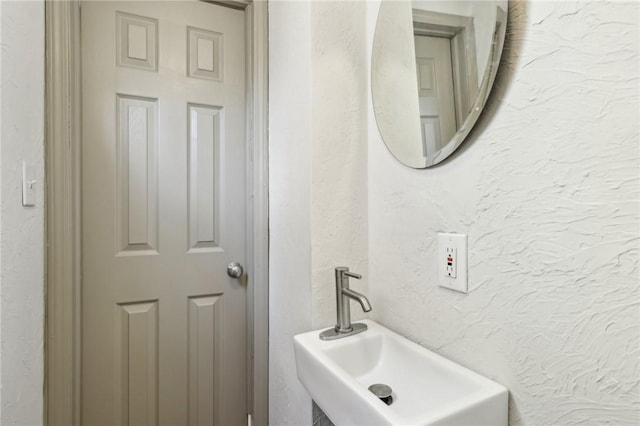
435	92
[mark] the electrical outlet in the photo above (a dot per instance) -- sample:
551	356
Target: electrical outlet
452	261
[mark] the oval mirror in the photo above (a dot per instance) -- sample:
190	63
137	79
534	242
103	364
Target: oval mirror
433	64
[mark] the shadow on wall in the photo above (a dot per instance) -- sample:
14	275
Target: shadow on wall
513	44
509	61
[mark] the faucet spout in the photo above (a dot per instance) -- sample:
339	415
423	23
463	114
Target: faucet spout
358	297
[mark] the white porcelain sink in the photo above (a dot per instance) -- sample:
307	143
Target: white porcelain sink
427	388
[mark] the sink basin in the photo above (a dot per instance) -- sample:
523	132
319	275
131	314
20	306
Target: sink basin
427	389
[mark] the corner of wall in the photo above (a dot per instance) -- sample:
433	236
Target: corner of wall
318	177
339	225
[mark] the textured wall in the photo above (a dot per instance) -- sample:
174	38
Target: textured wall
317	156
289	206
21	229
339	153
546	187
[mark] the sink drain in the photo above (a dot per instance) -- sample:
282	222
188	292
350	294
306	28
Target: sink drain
382	391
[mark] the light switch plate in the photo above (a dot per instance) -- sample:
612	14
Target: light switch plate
452	261
28	185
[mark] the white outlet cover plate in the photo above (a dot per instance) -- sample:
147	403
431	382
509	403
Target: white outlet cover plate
459	242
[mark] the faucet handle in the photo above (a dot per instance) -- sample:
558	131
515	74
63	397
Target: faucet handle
352	275
343	271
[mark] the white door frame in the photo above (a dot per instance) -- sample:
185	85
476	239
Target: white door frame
63	293
460	30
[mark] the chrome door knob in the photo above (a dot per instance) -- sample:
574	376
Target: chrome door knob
235	270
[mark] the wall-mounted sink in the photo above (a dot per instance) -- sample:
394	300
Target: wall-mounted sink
427	389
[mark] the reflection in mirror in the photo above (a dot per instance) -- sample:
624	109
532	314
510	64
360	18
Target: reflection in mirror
433	65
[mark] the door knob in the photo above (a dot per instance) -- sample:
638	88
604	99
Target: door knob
235	270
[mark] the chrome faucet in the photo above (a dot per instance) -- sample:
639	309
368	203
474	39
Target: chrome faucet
343	326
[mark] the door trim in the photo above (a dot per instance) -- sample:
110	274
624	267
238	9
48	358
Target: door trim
460	31
258	209
62	144
63	211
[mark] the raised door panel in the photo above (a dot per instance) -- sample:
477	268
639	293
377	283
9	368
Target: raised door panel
205	138
137	364
205	55
426	76
137	175
137	41
430	128
204	360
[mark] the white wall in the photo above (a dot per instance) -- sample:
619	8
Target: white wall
21	229
547	188
317	156
289	206
339	152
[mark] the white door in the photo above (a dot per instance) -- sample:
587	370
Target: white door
163	213
435	92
